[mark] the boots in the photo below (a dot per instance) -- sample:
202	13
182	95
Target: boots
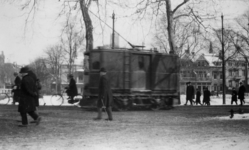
99	117
109	112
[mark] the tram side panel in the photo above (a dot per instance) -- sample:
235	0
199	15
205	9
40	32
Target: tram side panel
165	72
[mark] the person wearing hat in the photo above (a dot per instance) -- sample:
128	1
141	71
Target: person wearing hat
206	96
105	96
241	93
71	90
27	98
16	88
190	93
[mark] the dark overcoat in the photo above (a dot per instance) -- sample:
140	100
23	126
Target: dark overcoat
105	92
33	75
234	95
206	96
190	92
241	93
27	95
198	96
72	88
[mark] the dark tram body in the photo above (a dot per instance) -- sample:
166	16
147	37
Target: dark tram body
138	78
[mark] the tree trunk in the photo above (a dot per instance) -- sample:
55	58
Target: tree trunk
88	25
170	27
246	74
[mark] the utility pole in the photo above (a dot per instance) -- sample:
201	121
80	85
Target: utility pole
223	63
113	30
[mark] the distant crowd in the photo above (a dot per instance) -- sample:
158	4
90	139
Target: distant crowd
194	96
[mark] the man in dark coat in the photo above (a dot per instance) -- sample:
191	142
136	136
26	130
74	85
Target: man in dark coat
206	96
105	96
234	96
16	88
33	75
71	90
27	98
241	93
198	97
190	93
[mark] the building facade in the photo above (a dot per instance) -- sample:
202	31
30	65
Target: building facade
206	71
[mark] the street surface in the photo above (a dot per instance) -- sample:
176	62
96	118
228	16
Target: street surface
181	128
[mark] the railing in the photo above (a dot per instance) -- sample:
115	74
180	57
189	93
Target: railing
196	78
5	91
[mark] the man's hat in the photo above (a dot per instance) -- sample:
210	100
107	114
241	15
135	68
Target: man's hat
188	82
24	70
102	70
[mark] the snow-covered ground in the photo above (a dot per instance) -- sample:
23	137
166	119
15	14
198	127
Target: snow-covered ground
46	100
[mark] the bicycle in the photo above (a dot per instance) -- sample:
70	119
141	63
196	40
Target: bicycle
5	97
58	98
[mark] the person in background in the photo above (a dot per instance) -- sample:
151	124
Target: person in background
190	93
105	96
27	98
198	97
71	90
16	88
241	93
234	96
206	96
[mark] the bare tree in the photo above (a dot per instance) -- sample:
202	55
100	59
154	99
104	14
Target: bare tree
39	67
55	57
189	36
72	42
185	9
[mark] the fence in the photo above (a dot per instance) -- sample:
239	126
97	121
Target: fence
5	91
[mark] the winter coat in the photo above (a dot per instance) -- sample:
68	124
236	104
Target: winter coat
241	93
190	92
33	75
198	96
105	92
234	95
27	95
72	88
206	96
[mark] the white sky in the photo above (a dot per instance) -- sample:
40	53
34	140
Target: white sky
22	47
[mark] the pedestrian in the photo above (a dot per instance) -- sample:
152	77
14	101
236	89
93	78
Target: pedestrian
206	96
198	97
71	90
34	76
190	93
16	88
105	96
27	98
234	96
241	93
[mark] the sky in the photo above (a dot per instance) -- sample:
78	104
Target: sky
22	45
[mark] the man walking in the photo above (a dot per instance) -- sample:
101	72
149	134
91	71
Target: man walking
27	99
206	96
105	96
241	93
198	97
190	93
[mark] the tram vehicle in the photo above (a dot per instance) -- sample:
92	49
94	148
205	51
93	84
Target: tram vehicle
138	78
